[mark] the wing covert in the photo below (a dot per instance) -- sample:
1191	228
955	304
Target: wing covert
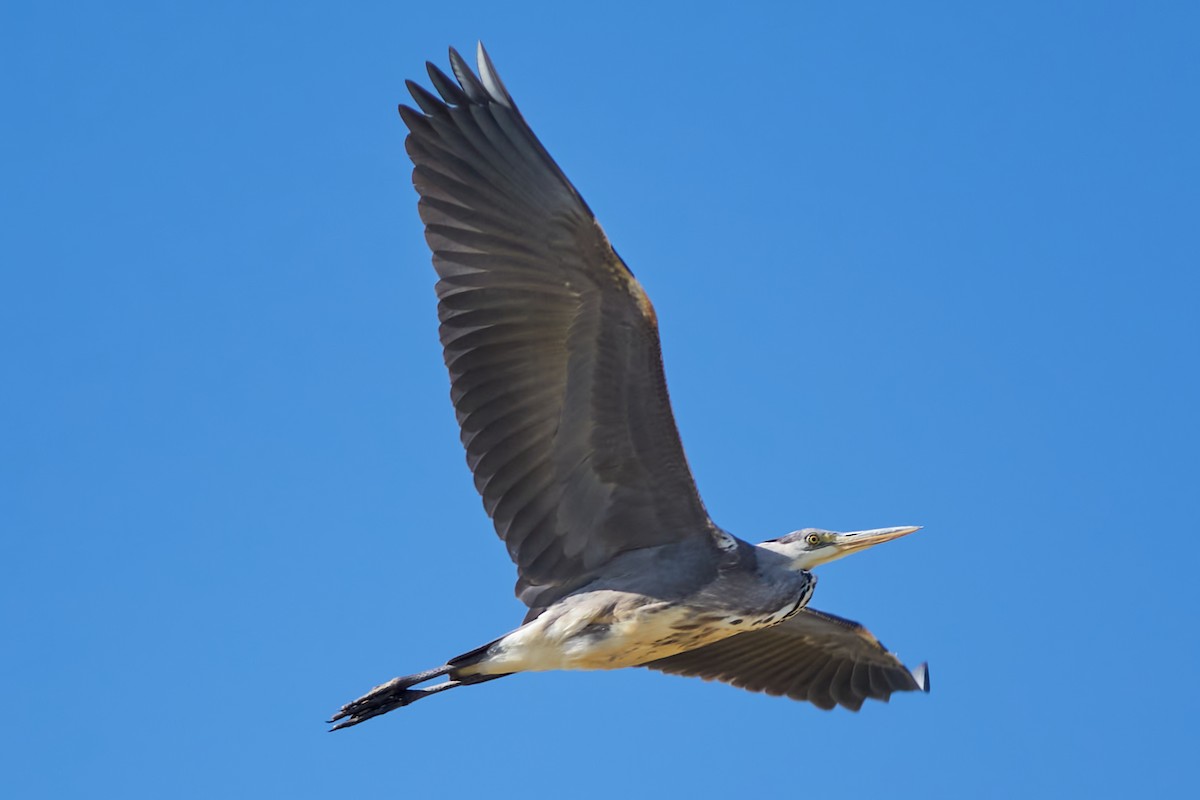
813	656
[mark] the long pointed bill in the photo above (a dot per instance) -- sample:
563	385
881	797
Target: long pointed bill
846	543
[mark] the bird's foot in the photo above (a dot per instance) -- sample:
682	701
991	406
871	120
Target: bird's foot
380	700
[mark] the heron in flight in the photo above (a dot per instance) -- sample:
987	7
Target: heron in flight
557	382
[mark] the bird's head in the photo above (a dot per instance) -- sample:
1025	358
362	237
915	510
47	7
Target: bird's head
812	547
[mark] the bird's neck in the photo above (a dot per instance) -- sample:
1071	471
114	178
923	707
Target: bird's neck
788	556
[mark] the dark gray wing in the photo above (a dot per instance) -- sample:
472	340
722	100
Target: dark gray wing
813	656
552	346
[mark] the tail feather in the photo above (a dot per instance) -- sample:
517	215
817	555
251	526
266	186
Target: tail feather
469	659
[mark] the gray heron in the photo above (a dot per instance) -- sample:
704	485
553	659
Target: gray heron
557	382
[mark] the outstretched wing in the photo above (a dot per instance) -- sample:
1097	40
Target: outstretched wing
552	346
813	656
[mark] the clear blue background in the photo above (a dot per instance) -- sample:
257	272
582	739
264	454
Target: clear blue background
914	263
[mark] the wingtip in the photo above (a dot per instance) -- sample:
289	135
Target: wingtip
921	676
491	80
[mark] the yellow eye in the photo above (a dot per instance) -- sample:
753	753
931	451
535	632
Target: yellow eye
813	539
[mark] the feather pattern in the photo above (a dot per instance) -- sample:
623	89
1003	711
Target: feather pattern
812	656
552	345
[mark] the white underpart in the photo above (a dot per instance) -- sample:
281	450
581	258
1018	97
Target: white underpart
725	543
565	642
593	633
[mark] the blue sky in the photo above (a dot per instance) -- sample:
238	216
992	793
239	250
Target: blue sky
913	263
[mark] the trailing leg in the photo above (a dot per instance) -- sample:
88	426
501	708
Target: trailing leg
398	692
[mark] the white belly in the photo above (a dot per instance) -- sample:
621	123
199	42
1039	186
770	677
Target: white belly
610	630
